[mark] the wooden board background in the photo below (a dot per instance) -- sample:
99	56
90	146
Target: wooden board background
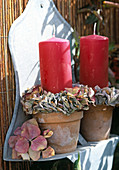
9	11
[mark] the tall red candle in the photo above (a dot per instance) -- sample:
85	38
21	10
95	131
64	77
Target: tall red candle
94	60
55	64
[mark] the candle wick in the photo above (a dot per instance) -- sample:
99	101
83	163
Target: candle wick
53	30
94	28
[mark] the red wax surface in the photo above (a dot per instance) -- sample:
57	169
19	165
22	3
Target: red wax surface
55	64
94	60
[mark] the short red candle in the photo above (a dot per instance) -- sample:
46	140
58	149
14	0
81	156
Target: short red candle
94	60
55	64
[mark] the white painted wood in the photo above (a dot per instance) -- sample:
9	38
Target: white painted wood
35	25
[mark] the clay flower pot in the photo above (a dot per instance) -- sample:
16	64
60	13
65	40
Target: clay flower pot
96	123
65	129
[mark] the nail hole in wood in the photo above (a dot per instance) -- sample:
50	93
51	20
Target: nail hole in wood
41	5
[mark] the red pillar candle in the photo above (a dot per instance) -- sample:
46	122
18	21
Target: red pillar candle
55	64
94	60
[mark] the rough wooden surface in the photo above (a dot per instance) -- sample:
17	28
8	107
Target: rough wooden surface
9	11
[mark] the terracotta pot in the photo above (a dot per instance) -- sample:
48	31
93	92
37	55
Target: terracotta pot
96	123
65	128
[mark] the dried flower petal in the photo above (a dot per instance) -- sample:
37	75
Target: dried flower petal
34	155
22	145
12	141
33	121
15	154
49	152
25	156
65	101
25	133
47	133
30	131
39	143
17	131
